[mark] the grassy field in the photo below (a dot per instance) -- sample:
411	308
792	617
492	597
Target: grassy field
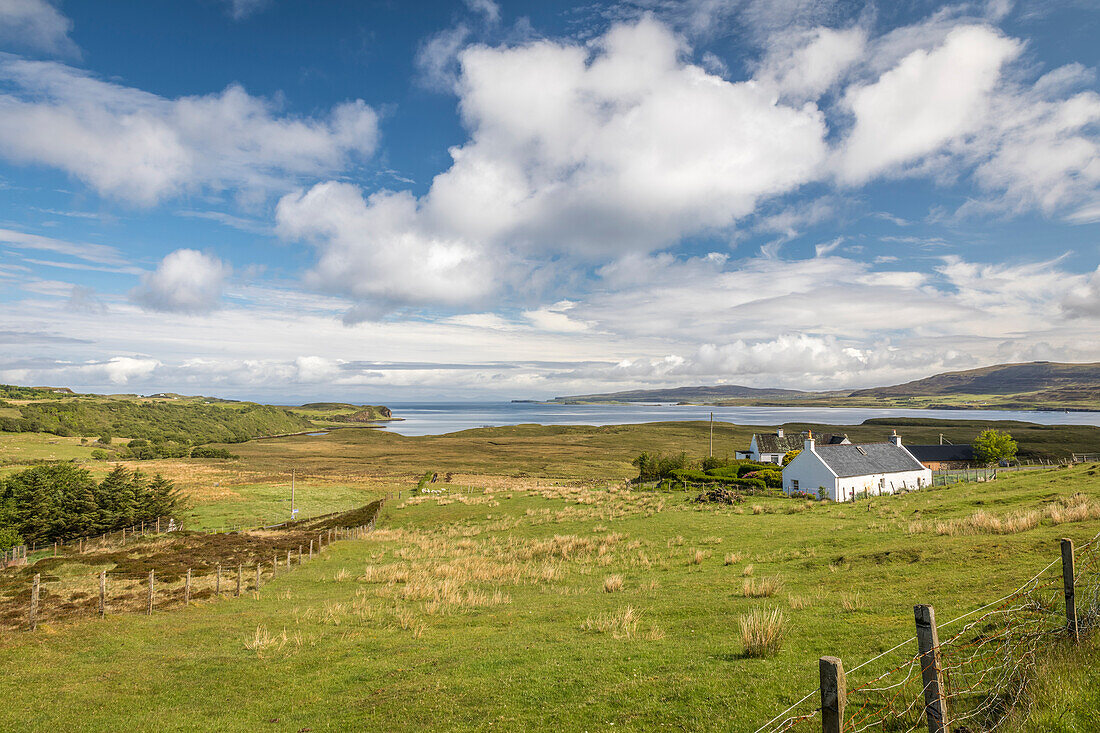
532	602
20	449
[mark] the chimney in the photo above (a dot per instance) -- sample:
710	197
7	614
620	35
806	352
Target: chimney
779	432
896	439
809	444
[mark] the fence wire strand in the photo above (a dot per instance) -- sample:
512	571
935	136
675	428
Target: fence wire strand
986	663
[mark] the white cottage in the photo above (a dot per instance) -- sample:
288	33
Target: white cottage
846	470
772	447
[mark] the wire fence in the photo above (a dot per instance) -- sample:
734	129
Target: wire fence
179	573
984	663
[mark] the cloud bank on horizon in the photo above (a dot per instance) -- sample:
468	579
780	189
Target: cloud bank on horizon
527	200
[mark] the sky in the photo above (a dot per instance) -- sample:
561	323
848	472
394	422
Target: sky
486	199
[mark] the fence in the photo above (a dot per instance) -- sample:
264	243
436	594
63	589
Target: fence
970	680
948	476
51	599
19	555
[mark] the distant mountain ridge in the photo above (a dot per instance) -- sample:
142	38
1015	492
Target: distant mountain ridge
686	394
1001	379
1039	385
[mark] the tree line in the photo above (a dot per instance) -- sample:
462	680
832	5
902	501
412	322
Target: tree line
61	501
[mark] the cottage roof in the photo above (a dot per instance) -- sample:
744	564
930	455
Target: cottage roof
867	458
773	443
942	452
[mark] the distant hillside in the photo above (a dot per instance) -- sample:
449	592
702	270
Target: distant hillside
1040	385
685	394
1058	381
323	413
183	422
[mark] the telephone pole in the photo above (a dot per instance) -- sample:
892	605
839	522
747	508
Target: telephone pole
711	452
293	511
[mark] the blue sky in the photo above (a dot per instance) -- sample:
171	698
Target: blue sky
288	200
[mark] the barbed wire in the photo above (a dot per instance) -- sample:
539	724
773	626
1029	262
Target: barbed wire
985	663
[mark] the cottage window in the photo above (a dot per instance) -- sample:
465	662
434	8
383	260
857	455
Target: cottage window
794	484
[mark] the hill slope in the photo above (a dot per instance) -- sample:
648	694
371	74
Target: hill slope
685	394
1002	379
1039	385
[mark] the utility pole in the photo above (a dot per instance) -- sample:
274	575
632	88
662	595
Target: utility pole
293	511
711	453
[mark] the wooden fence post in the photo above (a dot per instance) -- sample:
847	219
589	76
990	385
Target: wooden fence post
35	584
288	559
299	554
311	549
928	644
218	580
257	576
150	611
158	525
834	694
187	588
55	548
240	573
1067	580
102	593
274	566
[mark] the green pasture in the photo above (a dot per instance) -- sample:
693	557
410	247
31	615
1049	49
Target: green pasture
469	612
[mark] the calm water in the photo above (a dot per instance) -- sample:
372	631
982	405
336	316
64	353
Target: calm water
423	418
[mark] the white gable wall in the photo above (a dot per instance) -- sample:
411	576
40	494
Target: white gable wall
807	473
756	455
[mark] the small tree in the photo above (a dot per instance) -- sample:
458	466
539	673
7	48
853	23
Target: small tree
992	446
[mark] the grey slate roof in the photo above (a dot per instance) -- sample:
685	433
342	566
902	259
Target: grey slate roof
772	443
849	460
942	452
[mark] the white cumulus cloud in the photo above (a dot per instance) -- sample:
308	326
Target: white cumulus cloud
186	281
929	100
583	151
141	148
37	25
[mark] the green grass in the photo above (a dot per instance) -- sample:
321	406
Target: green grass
23	448
365	654
1064	692
269	503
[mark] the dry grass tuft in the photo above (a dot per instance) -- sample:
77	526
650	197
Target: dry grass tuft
733	557
262	641
851	602
757	509
1075	508
747	571
762	632
764	588
798	602
624	623
612	583
697	556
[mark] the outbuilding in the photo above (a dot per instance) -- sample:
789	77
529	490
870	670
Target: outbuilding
946	455
842	472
